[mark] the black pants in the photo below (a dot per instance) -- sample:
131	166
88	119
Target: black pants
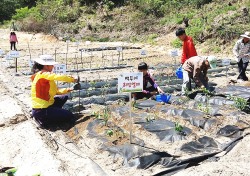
12	45
54	114
141	95
242	70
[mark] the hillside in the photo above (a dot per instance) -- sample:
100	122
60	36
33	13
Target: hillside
212	23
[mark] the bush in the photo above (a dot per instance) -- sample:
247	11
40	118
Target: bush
176	43
151	38
25	12
32	24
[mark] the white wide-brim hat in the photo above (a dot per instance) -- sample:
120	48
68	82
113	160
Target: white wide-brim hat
45	60
246	35
212	61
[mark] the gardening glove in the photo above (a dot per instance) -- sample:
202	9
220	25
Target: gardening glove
77	80
77	86
145	91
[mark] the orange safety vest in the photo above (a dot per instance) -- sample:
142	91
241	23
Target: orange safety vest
44	88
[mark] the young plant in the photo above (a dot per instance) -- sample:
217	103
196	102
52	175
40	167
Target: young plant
106	115
178	127
92	84
97	115
239	103
206	109
110	132
150	118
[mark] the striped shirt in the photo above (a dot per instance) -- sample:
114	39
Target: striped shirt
240	49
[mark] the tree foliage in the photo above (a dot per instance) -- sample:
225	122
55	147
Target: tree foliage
8	7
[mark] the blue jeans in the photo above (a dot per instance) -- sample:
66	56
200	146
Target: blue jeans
54	114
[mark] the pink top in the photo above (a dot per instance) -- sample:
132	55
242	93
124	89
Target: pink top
13	38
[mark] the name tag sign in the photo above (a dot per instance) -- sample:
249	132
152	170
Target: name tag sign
130	82
8	57
31	63
77	43
1	52
60	69
173	53
143	52
103	47
14	54
119	49
87	42
226	62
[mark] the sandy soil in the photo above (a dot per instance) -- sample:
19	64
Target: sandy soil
15	92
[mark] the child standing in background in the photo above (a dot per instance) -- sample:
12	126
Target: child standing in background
13	40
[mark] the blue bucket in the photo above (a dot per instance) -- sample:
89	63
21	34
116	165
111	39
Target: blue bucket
163	98
179	73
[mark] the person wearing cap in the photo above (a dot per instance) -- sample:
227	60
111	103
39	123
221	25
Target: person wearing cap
195	68
188	48
241	52
47	99
150	87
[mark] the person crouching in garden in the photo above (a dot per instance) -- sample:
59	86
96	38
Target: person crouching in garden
47	99
195	68
148	90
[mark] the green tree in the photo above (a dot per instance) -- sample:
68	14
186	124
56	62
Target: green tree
8	7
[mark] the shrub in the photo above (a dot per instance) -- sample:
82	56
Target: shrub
26	12
176	43
151	38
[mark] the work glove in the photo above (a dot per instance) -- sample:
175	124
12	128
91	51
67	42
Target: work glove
145	91
77	86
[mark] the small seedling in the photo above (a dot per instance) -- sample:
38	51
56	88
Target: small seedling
97	115
92	84
239	103
110	132
178	127
206	109
106	115
149	118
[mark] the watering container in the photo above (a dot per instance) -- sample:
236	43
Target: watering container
179	73
163	98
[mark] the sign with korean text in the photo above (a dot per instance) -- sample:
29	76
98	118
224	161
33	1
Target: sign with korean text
8	57
226	62
14	54
60	69
88	42
173	53
119	49
130	82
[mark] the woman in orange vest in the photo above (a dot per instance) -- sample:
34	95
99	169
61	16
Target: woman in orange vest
47	99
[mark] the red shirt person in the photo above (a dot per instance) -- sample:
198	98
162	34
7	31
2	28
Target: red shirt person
188	49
